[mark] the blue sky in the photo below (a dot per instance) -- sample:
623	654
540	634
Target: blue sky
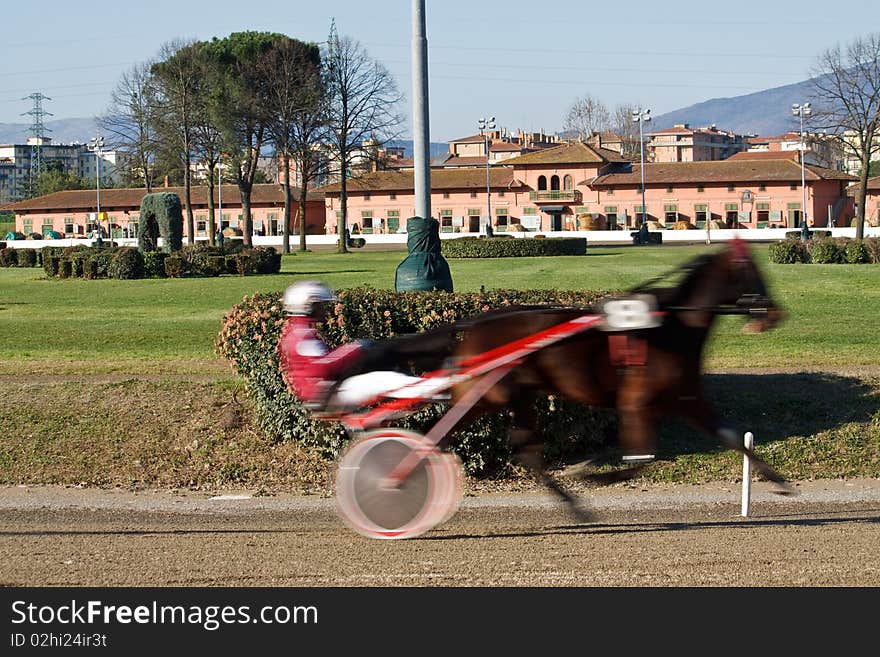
523	62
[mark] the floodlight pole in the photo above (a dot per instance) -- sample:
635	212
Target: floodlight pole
96	145
486	125
421	129
802	110
642	116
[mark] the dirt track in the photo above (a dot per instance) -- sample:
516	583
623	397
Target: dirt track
658	536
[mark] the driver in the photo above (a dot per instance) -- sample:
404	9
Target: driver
352	374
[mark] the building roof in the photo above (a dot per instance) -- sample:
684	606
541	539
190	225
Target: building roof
873	187
85	200
568	153
441	179
464	161
719	171
765	155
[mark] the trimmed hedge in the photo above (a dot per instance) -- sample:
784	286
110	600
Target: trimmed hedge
826	250
249	337
499	247
8	257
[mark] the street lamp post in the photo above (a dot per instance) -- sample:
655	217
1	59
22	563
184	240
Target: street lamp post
642	116
801	111
96	145
486	125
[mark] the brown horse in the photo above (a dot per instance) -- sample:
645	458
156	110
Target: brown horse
644	362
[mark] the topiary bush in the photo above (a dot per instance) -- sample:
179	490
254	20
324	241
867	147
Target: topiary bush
175	266
788	252
8	257
267	260
245	263
127	263
154	264
27	258
856	253
249	336
872	244
825	252
499	247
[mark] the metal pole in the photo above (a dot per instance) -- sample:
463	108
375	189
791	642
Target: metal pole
642	150
421	136
749	441
488	190
219	225
803	177
98	188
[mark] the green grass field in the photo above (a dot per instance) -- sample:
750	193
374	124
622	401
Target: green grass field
169	325
116	383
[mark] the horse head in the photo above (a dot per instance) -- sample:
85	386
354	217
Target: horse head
726	282
746	289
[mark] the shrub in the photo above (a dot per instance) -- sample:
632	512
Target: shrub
499	247
154	264
27	257
127	263
788	252
682	224
211	266
825	252
250	333
8	257
90	268
50	264
267	260
65	268
856	253
245	263
175	266
872	244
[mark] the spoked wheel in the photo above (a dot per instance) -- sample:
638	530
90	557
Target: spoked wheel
377	507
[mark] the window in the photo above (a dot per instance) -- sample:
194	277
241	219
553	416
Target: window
27	226
731	188
610	191
670	213
762	187
542	183
445	194
530	211
567	183
701	189
392	220
68	225
668	189
47	226
701	214
501	219
554	183
763	211
392	196
473	212
793	186
367	196
500	193
473	194
201	227
611	216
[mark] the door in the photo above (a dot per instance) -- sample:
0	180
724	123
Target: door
556	222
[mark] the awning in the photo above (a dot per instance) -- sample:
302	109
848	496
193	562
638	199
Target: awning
553	209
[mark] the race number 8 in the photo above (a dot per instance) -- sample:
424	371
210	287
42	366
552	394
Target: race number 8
626	314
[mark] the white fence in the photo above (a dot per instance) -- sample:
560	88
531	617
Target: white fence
593	237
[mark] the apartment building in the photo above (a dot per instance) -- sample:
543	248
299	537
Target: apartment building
681	143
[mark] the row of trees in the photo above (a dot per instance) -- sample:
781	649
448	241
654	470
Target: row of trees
222	103
845	94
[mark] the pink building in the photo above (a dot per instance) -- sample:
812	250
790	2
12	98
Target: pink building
72	213
577	186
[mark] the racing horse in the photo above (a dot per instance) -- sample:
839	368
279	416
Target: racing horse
644	361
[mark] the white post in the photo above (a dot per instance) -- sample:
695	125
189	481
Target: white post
749	441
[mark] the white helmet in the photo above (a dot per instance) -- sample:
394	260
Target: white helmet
300	298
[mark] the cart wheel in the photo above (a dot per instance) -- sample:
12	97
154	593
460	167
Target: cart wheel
377	510
455	485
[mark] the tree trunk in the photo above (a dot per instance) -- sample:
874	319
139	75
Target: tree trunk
285	241
187	192
212	223
342	222
862	195
303	190
244	190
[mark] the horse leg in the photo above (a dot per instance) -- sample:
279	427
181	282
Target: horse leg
529	452
700	413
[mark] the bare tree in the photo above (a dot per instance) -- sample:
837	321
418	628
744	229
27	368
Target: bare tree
293	94
624	126
586	116
846	84
362	98
207	136
177	77
129	125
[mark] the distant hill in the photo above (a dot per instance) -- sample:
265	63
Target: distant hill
62	131
765	113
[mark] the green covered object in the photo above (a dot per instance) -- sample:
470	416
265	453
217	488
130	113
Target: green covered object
161	216
53	235
424	268
15	236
